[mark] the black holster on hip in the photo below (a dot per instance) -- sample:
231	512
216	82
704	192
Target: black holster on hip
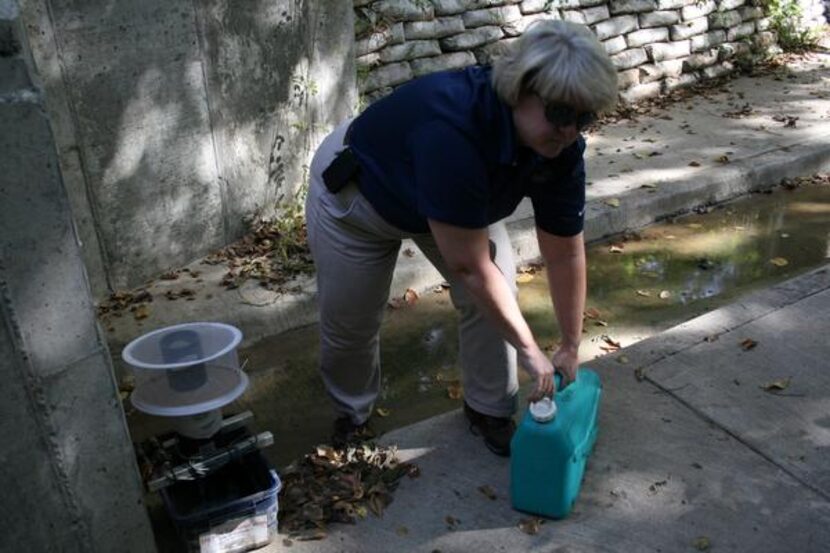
343	169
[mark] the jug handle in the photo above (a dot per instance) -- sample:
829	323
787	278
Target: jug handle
557	377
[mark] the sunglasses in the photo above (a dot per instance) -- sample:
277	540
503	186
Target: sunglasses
561	115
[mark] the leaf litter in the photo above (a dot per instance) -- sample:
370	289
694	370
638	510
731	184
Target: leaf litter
452	522
121	300
531	526
702	543
748	344
344	485
488	492
777	385
273	252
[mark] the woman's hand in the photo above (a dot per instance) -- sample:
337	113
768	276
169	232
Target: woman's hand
566	360
540	369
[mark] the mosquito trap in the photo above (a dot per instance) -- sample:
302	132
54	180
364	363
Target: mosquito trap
213	479
187	372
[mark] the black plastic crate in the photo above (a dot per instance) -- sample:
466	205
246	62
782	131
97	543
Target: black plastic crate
231	510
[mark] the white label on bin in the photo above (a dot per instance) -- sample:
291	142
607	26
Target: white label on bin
236	535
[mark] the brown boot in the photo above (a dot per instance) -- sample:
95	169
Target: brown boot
496	431
346	432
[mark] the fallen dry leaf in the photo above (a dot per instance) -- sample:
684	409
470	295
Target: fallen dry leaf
622	359
410	296
777	385
702	543
640	374
644	293
408	252
454	390
612	345
591	313
722	159
748	344
488	492
613	202
140	312
694	164
452	522
744	111
788	120
382	412
377	504
615	249
654	488
779	261
531	526
665	294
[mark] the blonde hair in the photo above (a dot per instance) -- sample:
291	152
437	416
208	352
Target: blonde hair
561	62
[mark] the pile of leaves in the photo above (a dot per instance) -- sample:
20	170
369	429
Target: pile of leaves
117	302
273	252
818	179
338	485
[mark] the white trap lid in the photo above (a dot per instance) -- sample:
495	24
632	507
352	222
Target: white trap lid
186	369
221	386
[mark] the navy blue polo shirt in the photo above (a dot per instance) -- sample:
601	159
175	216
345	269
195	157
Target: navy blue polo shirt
444	147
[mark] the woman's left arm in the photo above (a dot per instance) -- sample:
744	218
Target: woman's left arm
565	262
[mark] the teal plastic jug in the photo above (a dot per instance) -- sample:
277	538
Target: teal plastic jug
547	459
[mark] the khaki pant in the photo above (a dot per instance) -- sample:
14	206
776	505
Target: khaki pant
354	251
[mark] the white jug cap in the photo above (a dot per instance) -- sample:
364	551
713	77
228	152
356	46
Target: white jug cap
543	410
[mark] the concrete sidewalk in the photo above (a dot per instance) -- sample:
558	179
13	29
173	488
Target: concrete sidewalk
692	452
699	151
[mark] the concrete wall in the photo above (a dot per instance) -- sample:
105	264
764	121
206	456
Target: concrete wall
656	45
176	119
67	473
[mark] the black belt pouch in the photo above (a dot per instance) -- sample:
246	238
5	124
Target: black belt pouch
343	170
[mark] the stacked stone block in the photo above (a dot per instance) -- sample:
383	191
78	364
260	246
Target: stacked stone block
656	45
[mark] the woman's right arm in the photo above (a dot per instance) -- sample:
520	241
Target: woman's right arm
467	253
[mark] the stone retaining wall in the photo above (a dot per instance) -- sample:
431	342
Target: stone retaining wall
656	45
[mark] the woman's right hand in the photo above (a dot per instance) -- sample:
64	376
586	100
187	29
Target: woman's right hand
540	368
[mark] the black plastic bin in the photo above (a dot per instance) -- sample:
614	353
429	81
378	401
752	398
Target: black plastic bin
229	511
